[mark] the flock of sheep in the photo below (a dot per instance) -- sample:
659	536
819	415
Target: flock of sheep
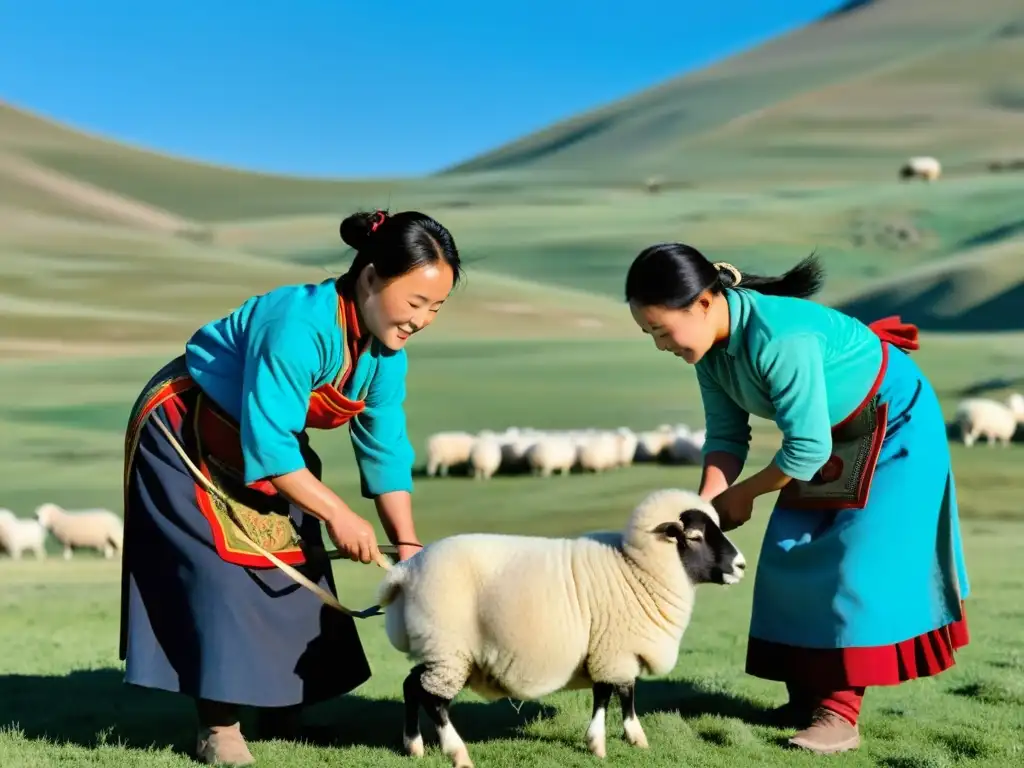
97	529
544	452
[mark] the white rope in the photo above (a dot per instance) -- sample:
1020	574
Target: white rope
316	589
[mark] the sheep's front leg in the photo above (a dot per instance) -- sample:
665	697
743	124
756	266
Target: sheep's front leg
67	551
596	733
634	732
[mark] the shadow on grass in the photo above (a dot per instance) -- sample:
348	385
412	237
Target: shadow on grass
90	708
691	701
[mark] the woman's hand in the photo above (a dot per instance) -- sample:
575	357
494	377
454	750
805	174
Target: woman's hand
353	536
734	505
407	550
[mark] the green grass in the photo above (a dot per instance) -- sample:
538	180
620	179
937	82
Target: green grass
58	623
61	683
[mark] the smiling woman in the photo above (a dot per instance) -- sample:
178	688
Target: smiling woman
203	612
864	459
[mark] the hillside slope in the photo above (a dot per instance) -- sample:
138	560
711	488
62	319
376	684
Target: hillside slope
175	186
820	100
981	291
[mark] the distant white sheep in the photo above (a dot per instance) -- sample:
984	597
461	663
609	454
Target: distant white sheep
97	529
446	450
485	457
627	443
523	616
550	454
19	535
685	446
599	452
927	168
978	416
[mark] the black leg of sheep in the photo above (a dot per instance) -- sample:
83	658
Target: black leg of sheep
631	727
437	709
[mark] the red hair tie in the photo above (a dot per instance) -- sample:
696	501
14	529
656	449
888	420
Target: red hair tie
380	218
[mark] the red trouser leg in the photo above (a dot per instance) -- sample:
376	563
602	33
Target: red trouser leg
845	703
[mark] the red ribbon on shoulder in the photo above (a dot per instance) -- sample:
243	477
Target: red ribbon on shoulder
901	335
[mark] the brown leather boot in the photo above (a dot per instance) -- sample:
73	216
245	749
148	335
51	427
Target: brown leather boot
223	745
827	734
220	740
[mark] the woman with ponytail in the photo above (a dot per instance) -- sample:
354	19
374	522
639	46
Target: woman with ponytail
204	613
861	576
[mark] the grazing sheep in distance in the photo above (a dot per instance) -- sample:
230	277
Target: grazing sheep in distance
446	450
979	416
927	168
525	616
18	535
599	452
97	529
550	454
485	456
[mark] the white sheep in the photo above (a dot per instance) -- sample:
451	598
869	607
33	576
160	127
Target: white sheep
485	456
88	528
524	616
927	168
18	535
599	452
552	453
979	416
627	443
446	450
685	446
653	442
1015	402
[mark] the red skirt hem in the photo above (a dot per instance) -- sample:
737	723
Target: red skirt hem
841	668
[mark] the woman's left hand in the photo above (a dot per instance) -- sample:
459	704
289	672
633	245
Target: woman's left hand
734	506
405	551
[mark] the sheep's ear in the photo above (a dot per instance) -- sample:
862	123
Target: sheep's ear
671	530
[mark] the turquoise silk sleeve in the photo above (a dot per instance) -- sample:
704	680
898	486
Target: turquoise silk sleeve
794	371
382	448
282	361
726	424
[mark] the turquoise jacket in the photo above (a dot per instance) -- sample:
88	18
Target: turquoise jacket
261	362
798	363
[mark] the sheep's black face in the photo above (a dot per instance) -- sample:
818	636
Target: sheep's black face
705	551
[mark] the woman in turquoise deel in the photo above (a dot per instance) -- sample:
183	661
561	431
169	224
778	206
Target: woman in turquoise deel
205	614
861	576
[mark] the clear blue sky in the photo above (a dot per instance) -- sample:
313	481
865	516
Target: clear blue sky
342	88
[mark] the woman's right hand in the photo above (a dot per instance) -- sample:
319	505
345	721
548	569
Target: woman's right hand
353	536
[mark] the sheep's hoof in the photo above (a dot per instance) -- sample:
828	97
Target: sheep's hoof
414	746
460	759
635	733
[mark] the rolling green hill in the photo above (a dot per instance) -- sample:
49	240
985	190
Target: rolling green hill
844	98
789	147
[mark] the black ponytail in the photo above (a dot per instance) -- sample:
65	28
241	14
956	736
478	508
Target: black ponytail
674	275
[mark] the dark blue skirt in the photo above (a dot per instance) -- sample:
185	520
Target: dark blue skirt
196	624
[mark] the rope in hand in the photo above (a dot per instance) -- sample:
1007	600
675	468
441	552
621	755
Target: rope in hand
296	576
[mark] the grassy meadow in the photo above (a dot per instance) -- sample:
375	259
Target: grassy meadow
111	256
